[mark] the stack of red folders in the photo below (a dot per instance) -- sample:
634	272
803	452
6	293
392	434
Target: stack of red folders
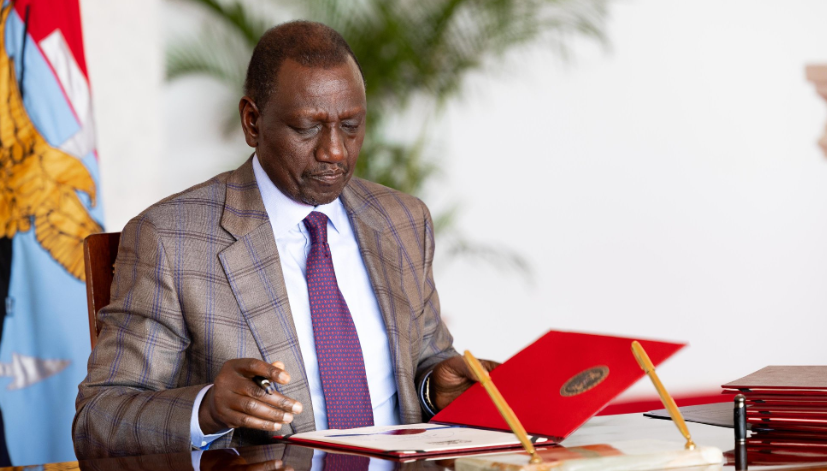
786	412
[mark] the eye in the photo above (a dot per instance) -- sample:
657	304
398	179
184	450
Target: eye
350	127
306	131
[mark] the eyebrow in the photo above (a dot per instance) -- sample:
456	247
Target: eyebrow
315	113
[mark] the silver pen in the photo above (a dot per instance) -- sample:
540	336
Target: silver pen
268	386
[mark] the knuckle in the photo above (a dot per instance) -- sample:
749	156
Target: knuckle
250	363
256	392
250	406
246	421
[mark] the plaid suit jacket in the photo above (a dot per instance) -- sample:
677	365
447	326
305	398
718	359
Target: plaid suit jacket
198	282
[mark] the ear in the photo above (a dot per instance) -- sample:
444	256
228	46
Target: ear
249	114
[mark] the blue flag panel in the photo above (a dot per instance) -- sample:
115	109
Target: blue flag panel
48	205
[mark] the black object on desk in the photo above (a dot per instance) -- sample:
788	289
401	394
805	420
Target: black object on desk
718	414
739	419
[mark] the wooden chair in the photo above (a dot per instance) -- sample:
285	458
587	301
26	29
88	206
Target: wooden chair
99	252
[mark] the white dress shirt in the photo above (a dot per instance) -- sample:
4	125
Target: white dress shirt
293	243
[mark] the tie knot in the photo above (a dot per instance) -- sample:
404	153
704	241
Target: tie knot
316	224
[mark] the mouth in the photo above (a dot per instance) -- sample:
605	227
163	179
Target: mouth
328	178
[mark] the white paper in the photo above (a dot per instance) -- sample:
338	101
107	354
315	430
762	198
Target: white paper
414	438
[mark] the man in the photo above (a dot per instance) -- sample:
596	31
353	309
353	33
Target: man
231	283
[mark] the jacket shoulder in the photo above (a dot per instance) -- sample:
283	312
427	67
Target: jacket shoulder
195	202
394	205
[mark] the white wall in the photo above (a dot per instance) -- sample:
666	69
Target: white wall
123	46
669	187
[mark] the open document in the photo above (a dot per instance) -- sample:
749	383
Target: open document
411	440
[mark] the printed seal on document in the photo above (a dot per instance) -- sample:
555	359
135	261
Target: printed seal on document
584	381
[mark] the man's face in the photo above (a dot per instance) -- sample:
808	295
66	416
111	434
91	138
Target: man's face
310	132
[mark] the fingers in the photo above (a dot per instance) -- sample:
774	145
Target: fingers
462	370
489	365
236	400
250	367
245	387
275	372
251	419
457	367
244	395
238	410
451	377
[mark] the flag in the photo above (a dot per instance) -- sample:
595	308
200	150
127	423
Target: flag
48	189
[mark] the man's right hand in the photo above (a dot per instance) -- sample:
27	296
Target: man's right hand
236	401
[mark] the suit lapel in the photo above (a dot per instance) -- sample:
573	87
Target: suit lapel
253	269
382	256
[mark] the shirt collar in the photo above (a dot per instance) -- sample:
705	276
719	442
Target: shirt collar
285	213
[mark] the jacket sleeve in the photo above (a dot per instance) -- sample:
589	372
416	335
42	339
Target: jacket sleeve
129	403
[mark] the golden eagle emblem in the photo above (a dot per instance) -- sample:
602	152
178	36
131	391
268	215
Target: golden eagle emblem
39	183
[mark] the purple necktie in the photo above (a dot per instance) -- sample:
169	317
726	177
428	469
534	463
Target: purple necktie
341	365
336	462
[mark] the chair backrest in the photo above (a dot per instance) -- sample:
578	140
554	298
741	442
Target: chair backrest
99	253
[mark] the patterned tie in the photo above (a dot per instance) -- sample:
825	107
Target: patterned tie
341	365
336	462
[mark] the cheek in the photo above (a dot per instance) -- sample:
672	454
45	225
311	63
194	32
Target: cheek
353	147
287	155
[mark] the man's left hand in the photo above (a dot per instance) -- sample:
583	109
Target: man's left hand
451	377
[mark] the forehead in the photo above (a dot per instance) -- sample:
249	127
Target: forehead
299	86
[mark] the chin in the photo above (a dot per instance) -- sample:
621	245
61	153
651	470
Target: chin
319	199
324	195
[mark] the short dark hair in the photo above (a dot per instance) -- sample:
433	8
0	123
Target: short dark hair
309	43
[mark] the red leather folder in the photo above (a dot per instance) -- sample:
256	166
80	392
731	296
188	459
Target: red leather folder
765	420
771	428
749	393
557	383
813	412
792	380
800	419
789	435
773	402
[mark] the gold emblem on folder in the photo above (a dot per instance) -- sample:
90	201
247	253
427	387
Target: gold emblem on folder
585	380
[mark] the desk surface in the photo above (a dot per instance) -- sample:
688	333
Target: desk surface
597	430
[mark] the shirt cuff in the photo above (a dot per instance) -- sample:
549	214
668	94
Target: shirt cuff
197	437
424	402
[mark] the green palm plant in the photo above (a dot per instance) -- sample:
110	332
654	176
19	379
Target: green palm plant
409	50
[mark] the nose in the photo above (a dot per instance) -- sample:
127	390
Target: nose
332	146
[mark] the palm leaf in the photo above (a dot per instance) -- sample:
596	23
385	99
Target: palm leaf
210	55
237	15
408	49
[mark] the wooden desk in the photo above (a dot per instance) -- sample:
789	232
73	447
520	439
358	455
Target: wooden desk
597	430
